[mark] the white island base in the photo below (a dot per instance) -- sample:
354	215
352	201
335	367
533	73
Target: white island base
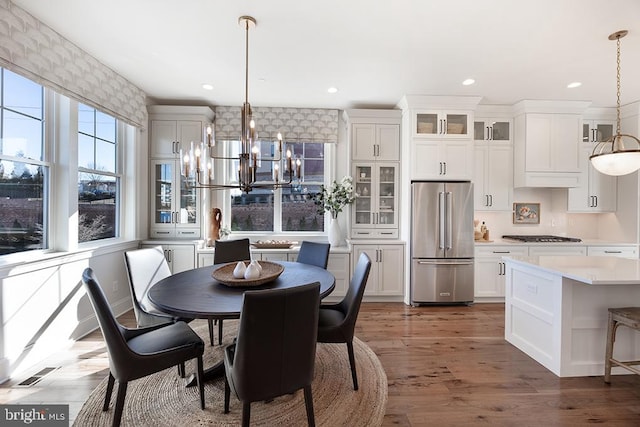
556	310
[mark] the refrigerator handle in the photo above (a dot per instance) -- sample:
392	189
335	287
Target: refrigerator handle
441	222
449	220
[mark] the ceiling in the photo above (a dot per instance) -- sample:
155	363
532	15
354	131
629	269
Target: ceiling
374	52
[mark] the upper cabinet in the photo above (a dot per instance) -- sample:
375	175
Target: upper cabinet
493	164
597	192
169	137
594	131
547	141
379	142
442	124
440	136
489	129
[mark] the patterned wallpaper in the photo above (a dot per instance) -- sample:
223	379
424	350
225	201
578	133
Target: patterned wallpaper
32	49
295	124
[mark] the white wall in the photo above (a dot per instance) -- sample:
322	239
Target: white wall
44	307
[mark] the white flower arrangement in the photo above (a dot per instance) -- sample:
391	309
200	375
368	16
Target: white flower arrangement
336	197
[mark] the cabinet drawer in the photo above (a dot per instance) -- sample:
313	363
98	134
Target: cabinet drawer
557	250
619	251
162	234
498	251
375	234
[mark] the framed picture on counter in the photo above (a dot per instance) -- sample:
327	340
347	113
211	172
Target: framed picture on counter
526	213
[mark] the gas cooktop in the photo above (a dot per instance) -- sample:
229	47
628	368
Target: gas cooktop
543	238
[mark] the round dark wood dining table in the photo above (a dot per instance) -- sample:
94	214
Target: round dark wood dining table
196	294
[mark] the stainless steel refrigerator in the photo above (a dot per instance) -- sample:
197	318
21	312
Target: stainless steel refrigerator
441	242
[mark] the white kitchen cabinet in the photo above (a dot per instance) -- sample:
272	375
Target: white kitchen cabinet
386	277
489	270
169	137
340	266
490	129
180	257
594	131
617	251
493	176
442	160
375	209
441	123
596	193
547	150
546	143
379	142
556	249
175	202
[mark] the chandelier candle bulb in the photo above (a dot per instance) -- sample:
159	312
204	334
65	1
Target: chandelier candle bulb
210	141
275	171
298	168
198	159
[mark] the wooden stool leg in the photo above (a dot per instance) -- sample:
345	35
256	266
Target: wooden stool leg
611	337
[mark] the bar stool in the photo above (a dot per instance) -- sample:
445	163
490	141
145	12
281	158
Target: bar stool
629	317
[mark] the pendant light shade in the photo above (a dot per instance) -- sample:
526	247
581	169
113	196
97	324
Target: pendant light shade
619	154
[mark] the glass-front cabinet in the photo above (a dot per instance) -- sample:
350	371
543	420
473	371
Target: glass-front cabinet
375	209
597	130
450	124
175	202
491	130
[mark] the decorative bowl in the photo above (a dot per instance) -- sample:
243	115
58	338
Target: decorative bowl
270	272
273	244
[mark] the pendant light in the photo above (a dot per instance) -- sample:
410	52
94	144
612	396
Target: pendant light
619	154
198	165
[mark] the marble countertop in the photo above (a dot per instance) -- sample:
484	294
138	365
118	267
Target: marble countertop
593	270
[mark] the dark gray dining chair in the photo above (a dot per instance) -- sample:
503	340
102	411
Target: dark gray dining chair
275	350
228	251
136	353
337	322
314	253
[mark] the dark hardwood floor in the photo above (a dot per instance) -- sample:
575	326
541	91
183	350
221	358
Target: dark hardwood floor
446	366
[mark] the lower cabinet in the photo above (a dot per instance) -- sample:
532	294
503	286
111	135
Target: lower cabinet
386	277
180	257
490	269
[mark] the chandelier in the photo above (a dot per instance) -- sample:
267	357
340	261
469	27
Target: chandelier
613	156
198	163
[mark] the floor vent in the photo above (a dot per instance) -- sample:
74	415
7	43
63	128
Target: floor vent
34	379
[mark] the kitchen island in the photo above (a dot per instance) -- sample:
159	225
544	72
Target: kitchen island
556	310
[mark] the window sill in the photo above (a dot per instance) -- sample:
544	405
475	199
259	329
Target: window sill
24	262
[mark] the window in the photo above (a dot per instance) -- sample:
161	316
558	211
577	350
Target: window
98	178
288	209
24	170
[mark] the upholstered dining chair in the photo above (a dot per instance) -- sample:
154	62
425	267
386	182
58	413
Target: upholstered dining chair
275	350
228	251
136	353
145	267
337	322
314	253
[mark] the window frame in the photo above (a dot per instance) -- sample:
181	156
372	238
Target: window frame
117	174
224	174
45	161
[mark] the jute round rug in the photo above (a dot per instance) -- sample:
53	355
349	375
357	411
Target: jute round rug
162	399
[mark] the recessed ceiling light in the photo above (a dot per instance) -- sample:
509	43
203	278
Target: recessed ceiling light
207	86
574	84
332	90
468	82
